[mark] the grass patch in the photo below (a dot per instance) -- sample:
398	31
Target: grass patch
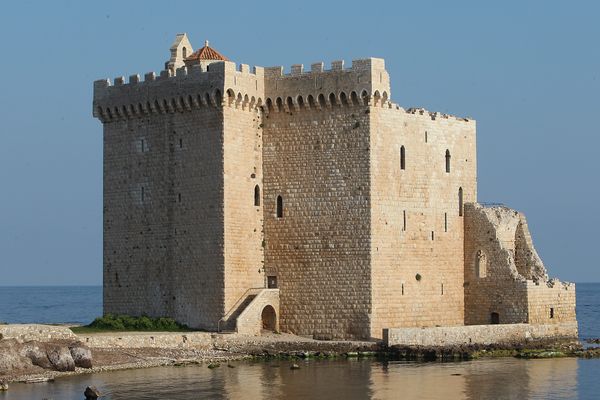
125	323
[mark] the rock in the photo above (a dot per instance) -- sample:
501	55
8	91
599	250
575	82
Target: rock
36	352
60	358
91	393
230	366
213	366
3	386
82	355
37	379
294	366
11	357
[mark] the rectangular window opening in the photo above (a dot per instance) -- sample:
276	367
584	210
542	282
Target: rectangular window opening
551	312
272	282
143	145
442	289
404	220
432	235
181	143
142	194
445	222
179	197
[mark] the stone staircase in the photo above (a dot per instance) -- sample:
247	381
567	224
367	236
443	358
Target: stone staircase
246	317
228	322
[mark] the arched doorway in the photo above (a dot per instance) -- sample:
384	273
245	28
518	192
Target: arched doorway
495	318
269	319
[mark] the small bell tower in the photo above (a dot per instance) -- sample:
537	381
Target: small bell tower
180	50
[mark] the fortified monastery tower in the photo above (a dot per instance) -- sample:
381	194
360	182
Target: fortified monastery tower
308	202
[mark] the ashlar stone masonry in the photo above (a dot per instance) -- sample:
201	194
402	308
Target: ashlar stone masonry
246	198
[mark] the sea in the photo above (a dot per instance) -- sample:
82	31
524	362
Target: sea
500	378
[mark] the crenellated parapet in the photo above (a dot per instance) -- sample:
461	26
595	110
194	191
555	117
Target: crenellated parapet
366	82
243	88
185	90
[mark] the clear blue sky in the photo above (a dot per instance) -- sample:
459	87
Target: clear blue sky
528	71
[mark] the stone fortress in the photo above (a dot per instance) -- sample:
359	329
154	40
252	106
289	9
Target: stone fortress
240	198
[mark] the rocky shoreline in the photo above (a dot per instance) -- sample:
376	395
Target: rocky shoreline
42	356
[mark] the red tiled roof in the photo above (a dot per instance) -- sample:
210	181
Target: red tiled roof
207	53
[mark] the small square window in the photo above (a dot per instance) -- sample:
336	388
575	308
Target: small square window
271	282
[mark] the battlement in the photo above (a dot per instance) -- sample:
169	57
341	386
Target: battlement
358	66
198	86
225	83
366	79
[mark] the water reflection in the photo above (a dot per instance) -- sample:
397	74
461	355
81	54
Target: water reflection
355	379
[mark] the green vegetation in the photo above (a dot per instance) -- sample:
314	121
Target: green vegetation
540	353
124	323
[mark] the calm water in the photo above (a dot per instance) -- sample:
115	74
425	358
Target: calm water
50	304
356	379
348	380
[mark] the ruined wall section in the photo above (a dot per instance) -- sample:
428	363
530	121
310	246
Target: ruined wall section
528	262
504	274
417	225
316	157
163	196
492	282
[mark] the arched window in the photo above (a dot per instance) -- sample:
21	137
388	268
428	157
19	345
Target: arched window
279	207
480	264
460	202
256	196
184	52
402	158
447	161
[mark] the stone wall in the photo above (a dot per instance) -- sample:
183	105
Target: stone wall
182	236
163	216
244	259
40	333
323	89
163	340
553	302
250	321
504	274
478	334
318	161
416	223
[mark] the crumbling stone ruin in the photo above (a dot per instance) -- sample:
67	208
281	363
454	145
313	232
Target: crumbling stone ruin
240	198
